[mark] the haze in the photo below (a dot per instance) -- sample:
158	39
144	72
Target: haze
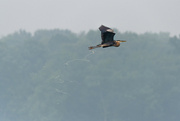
82	15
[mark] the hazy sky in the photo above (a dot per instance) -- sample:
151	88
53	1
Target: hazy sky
81	15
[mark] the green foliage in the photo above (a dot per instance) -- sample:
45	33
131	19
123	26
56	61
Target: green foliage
52	76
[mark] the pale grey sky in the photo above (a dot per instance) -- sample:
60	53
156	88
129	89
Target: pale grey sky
81	15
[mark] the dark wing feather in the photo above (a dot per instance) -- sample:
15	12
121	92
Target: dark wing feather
103	28
107	34
107	37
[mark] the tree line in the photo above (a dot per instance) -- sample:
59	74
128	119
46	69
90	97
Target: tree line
52	76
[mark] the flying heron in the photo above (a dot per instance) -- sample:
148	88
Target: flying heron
107	35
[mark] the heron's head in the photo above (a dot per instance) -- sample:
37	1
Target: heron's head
121	41
117	43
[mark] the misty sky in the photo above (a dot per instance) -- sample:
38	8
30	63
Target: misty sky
81	15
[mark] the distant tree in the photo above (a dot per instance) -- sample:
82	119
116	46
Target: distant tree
175	41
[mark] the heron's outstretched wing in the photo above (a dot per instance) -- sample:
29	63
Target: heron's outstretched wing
107	34
103	29
107	37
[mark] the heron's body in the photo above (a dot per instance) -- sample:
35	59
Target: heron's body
107	36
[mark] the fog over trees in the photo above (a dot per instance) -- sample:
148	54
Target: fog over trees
52	76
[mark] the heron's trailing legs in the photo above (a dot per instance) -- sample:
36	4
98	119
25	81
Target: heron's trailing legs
93	47
97	46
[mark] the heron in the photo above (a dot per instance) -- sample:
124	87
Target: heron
107	36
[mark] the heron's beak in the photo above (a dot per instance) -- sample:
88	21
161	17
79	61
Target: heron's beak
121	40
